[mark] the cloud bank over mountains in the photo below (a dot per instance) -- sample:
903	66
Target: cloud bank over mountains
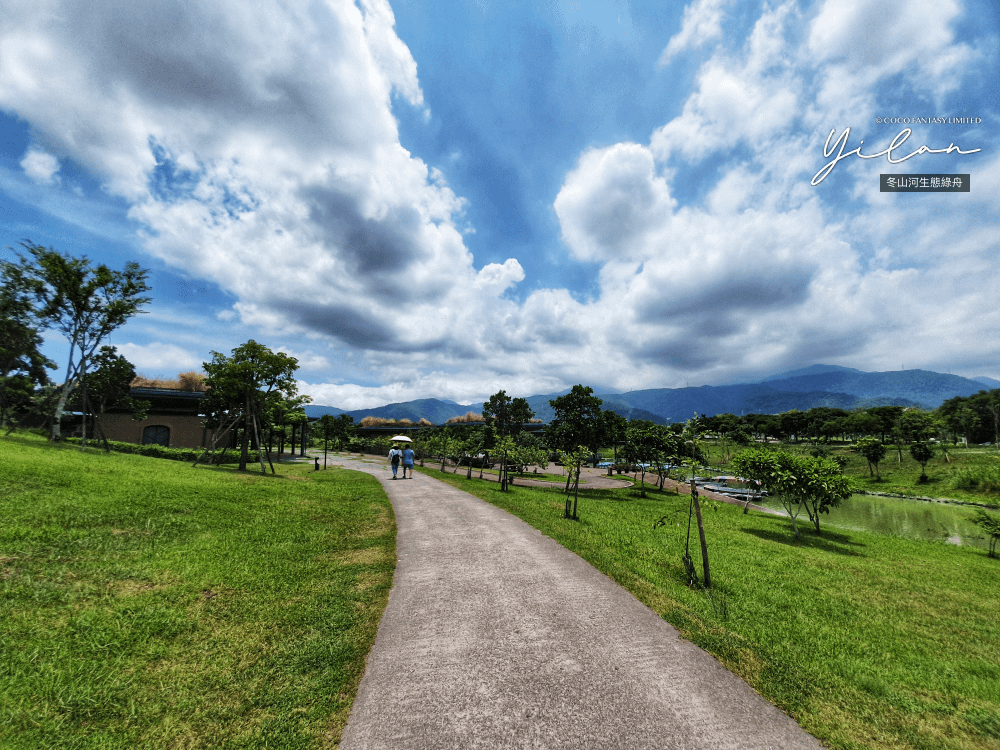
257	147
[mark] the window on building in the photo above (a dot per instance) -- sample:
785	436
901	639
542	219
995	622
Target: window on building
156	434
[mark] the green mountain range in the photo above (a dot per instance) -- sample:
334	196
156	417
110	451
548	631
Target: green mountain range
819	385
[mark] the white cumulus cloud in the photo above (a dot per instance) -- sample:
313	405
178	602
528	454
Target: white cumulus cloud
158	358
40	166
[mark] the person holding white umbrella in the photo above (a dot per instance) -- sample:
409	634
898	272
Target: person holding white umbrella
406	456
395	456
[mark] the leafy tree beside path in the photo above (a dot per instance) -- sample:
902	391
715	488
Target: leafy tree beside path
83	303
245	382
798	482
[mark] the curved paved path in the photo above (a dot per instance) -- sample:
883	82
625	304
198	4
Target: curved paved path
495	636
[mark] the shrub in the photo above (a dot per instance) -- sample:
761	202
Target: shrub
977	478
173	454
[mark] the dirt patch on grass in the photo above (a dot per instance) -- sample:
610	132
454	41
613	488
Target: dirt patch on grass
369	556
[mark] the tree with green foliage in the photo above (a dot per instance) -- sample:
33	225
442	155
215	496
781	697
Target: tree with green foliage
922	453
578	415
326	424
573	460
342	430
83	303
753	463
337	428
824	486
531	452
969	416
505	417
472	439
861	424
22	365
886	418
527	450
244	382
793	424
873	452
797	481
577	421
444	440
691	444
730	430
466	447
613	430
991	400
916	425
298	422
650	444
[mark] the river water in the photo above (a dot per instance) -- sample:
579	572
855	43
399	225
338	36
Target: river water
915	519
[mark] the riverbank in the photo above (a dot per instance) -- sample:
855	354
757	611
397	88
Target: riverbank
963	474
948	500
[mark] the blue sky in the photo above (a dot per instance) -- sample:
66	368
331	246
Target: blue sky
444	199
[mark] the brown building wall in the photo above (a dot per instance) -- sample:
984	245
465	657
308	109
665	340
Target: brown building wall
186	431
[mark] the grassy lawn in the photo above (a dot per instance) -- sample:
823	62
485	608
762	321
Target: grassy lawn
144	603
492	474
868	641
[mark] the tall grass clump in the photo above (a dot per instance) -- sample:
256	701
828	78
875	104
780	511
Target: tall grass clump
468	417
981	478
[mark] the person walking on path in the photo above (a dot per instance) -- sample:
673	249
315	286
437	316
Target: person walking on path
395	456
408	461
495	636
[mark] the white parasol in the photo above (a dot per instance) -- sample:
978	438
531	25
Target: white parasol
401	439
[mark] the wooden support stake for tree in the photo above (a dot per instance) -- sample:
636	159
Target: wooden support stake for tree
232	419
576	494
701	533
97	425
260	448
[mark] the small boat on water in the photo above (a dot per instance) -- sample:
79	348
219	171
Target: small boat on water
734	487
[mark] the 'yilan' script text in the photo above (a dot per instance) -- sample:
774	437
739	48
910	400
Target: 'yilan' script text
899	140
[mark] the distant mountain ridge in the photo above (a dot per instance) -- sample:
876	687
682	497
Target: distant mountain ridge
811	370
805	388
432	409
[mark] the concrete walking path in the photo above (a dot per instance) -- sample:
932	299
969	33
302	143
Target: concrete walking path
495	636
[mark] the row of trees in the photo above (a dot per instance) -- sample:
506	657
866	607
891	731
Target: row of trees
252	389
974	418
578	430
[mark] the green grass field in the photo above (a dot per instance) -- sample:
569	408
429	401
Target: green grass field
146	604
868	641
